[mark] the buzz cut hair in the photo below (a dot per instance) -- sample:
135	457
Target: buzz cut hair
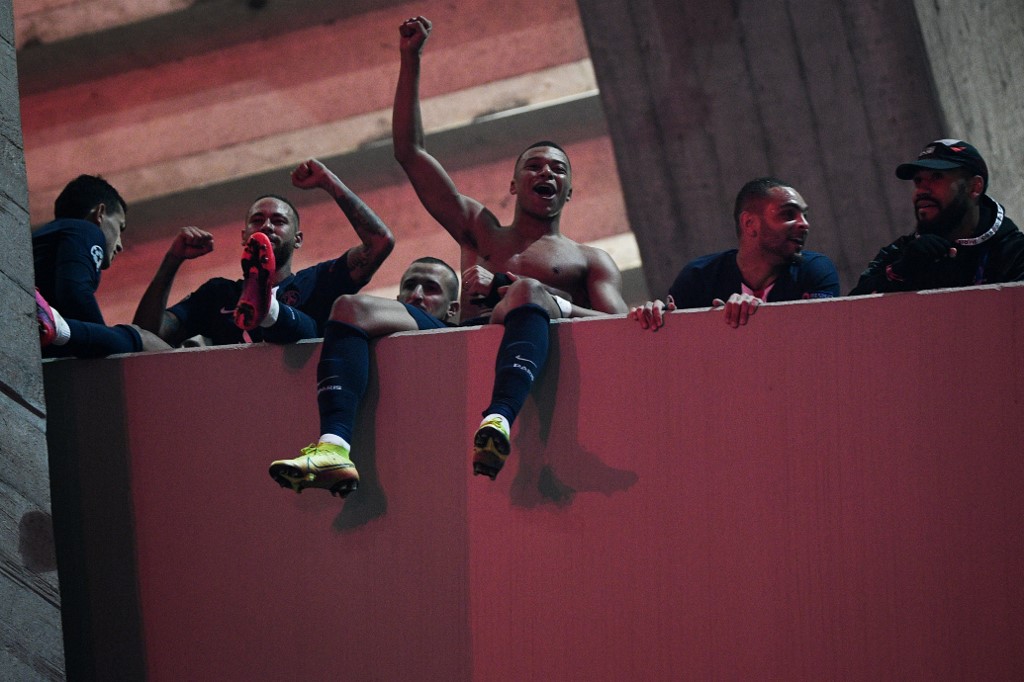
756	190
453	288
295	211
544	143
80	196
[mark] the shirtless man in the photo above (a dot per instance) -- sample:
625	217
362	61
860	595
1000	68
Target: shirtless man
521	275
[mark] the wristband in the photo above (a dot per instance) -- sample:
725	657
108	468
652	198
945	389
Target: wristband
492	297
564	306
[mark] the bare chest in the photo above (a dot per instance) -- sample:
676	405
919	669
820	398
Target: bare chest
556	262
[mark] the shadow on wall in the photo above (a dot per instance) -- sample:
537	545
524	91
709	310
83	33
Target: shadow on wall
369	501
35	542
553	466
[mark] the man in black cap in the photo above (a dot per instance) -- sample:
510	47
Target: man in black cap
962	238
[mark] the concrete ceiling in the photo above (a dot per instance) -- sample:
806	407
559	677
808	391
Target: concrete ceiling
193	108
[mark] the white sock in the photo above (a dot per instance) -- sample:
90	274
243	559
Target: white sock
273	311
63	330
335	440
501	418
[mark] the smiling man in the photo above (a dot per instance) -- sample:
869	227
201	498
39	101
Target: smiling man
963	237
521	275
272	303
769	265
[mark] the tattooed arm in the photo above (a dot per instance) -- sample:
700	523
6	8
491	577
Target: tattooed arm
375	237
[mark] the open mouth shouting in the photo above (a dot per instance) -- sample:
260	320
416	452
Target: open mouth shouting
545	190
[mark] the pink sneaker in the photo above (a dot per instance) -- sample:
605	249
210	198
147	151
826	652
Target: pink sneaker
258	269
44	316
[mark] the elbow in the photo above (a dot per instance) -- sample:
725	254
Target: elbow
403	152
407	150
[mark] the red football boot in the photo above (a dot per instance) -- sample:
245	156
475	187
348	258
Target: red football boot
258	269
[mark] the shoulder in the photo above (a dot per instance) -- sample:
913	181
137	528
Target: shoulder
314	271
711	261
1008	245
815	275
815	261
477	226
69	227
706	269
593	254
329	270
704	278
597	263
318	285
1009	231
220	286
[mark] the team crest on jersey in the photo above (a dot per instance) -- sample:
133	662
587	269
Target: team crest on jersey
97	255
290	297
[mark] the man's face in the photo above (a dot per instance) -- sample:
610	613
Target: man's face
112	223
275	219
429	287
783	225
542	181
941	199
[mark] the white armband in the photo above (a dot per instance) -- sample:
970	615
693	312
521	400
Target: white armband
564	306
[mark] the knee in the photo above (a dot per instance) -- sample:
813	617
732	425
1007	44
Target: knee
524	291
351	309
148	341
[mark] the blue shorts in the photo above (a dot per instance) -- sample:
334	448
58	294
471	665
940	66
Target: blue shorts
425	320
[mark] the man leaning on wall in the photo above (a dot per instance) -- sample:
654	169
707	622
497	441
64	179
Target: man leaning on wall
963	237
769	264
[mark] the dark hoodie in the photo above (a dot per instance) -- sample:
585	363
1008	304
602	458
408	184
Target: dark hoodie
998	258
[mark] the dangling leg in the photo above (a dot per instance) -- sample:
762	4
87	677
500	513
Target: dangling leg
521	357
342	375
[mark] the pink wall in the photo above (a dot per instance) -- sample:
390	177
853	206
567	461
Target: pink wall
834	491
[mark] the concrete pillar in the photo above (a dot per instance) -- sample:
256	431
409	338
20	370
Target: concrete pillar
976	54
30	636
831	96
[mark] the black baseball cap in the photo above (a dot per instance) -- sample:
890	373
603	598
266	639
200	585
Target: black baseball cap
946	155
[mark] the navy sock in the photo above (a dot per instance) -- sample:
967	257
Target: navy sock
341	377
521	357
292	325
92	340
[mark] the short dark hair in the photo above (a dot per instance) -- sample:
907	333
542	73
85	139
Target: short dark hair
544	143
295	211
80	196
453	291
758	189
